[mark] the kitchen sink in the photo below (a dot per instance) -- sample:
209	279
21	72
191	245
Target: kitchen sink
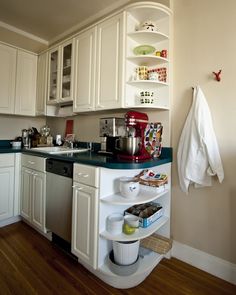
59	150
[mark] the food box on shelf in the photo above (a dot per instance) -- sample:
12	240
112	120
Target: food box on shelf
147	213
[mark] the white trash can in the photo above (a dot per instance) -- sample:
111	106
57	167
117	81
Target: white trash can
125	253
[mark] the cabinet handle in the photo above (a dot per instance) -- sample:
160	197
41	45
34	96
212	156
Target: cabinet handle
79	188
31	162
35	174
28	171
85	175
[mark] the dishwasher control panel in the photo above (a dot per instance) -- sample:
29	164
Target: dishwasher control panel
59	167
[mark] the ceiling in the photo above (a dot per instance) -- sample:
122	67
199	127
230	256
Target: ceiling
50	19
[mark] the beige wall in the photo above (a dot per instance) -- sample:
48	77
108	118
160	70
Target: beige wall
11	126
204	42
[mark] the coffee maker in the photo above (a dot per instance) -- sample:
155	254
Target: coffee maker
135	123
111	129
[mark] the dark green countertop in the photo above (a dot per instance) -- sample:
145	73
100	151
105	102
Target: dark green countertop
95	159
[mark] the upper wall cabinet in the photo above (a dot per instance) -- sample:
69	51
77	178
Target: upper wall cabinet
60	74
84	91
26	84
18	73
109	63
98	66
7	79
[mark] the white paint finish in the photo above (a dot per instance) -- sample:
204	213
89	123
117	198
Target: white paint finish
7	78
38	199
6	160
85	174
26	193
41	94
6	192
33	191
209	263
85	223
109	63
17	184
85	50
26	83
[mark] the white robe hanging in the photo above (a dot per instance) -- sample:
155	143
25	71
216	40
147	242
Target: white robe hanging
198	156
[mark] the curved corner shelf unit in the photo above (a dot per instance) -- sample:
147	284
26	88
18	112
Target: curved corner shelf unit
139	234
144	83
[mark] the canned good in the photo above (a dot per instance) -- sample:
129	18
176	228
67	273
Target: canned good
158	53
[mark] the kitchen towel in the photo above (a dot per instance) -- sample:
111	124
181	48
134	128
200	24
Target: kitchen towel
198	156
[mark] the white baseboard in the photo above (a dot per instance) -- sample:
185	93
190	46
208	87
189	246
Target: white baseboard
204	261
10	220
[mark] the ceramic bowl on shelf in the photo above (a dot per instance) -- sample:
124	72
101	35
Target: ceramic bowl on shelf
129	187
115	223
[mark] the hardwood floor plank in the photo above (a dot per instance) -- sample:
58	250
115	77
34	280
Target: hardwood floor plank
30	264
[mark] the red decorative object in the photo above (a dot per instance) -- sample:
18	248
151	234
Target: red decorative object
217	75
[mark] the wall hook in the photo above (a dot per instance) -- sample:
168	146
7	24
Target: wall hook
217	75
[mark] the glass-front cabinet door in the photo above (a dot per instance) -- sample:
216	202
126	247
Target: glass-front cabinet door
60	74
66	72
53	76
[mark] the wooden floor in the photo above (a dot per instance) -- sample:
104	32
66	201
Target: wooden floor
30	264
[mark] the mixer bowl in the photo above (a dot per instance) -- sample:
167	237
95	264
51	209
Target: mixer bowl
129	145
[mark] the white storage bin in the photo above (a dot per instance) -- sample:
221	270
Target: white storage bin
125	253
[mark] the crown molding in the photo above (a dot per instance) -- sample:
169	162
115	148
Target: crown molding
23	33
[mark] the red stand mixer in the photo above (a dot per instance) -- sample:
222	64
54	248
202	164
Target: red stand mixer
136	123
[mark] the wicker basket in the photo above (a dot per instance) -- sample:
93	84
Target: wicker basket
157	243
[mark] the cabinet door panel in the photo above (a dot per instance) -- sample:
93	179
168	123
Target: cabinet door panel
7	79
26	84
85	224
109	63
26	193
84	71
6	192
41	84
38	200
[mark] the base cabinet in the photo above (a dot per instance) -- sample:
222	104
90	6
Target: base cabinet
9	184
85	214
7	192
33	192
84	234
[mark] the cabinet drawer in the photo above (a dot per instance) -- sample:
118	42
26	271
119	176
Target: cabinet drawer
7	160
37	163
85	174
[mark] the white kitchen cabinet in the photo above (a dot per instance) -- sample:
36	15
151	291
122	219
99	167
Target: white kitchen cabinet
85	49
7	78
26	76
41	84
33	191
60	74
109	63
7	186
17	81
85	214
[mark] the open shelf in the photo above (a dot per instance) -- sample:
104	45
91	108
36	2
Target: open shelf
147	60
148	260
145	83
146	194
146	37
140	233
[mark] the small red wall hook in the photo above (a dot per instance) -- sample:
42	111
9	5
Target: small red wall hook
217	75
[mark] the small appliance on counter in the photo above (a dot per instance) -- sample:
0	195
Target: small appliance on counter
26	138
132	147
110	130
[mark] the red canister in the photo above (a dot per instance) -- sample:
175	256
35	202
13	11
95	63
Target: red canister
164	53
